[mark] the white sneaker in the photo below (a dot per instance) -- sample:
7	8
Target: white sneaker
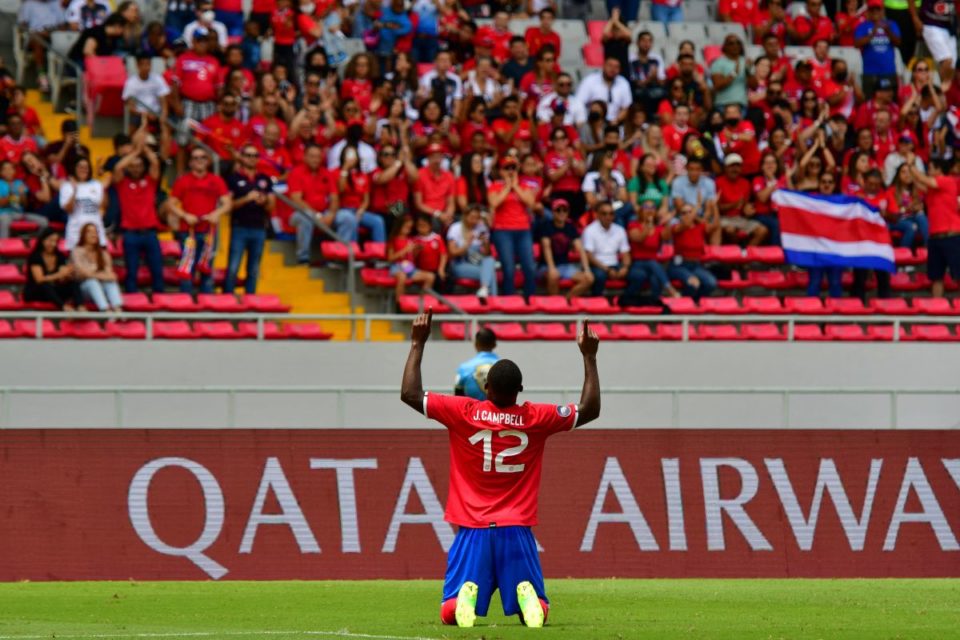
483	292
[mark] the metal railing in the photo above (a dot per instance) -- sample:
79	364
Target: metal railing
473	322
53	54
120	396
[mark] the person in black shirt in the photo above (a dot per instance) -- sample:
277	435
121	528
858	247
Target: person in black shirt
49	277
519	63
101	40
558	237
253	200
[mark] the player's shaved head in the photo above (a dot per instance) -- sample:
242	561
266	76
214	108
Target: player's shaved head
504	382
485	340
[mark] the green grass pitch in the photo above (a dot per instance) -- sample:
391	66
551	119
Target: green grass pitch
387	610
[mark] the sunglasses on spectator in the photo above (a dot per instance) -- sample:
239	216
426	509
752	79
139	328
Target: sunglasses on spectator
559	209
251	155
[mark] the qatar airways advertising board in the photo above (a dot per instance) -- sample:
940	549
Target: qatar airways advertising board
295	504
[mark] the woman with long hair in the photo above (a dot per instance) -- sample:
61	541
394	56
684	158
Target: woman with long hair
646	185
393	180
93	268
851	183
353	185
468	245
49	277
358	79
910	219
473	182
604	183
476	122
82	198
772	177
402	251
539	81
434	127
511	203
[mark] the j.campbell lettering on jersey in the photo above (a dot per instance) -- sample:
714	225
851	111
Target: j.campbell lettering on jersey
498	418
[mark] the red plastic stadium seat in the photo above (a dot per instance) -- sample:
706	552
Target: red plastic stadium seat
934	306
28	329
249	330
130	330
883	332
632	331
766	331
931	333
7	301
734	283
20	227
808	332
468	304
138	303
725	253
220	303
717	332
892	307
8	331
550	304
903	282
337	252
170	249
508	331
593	306
595	29
905	256
412	304
13	248
221	330
176	302
175	330
83	330
806	306
549	331
847	307
265	303
767	305
602	331
454	330
10	274
846	332
682	306
306	331
672	331
377	278
765	255
593	54
374	251
769	280
509	304
724	306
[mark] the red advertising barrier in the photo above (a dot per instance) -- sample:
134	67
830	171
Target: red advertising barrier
283	504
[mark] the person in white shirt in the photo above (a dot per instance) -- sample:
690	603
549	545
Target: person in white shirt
206	19
562	99
81	197
906	144
608	86
442	84
144	92
607	248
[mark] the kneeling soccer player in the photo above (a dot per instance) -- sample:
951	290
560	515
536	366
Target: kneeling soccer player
496	453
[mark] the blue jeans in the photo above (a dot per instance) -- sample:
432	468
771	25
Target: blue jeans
251	241
425	48
629	9
206	280
485	272
145	242
687	269
910	226
599	279
348	227
512	245
772	223
102	293
661	13
834	285
642	271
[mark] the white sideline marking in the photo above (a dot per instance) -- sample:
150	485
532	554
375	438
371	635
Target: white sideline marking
220	634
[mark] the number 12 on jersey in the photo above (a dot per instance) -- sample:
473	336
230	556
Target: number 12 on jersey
499	464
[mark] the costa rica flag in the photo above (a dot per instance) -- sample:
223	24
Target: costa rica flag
819	230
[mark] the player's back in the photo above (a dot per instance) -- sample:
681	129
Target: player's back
495	456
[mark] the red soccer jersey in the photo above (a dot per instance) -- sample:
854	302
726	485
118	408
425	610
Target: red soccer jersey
496	457
199	196
138	208
536	39
740	11
13	150
432	248
729	192
941	206
274	162
197	76
225	136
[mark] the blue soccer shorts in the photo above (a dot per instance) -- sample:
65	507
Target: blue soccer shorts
494	558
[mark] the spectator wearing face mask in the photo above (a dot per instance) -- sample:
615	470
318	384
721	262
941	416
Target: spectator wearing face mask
206	21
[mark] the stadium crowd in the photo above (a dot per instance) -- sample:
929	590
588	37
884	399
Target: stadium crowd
464	146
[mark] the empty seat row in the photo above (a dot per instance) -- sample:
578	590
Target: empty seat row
172	302
763	305
512	331
162	330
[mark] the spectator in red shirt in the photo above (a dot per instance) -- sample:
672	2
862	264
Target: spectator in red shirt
473	182
225	133
353	185
358	79
543	34
565	168
275	160
646	237
772	177
31	121
436	189
943	213
16	142
739	137
733	202
510	203
689	233
198	199
195	77
402	251
393	179
136	178
910	220
847	21
811	25
882	101
314	191
740	11
499	32
431	257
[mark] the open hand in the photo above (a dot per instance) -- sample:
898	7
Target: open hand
588	340
421	327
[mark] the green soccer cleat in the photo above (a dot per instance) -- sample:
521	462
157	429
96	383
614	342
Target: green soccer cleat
467	605
530	608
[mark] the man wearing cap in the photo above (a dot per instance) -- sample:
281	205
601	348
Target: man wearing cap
906	147
558	237
877	39
937	21
435	191
206	22
195	75
882	100
733	203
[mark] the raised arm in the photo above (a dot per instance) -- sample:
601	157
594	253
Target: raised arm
589	409
411	389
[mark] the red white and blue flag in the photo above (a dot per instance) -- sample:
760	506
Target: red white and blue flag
832	231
